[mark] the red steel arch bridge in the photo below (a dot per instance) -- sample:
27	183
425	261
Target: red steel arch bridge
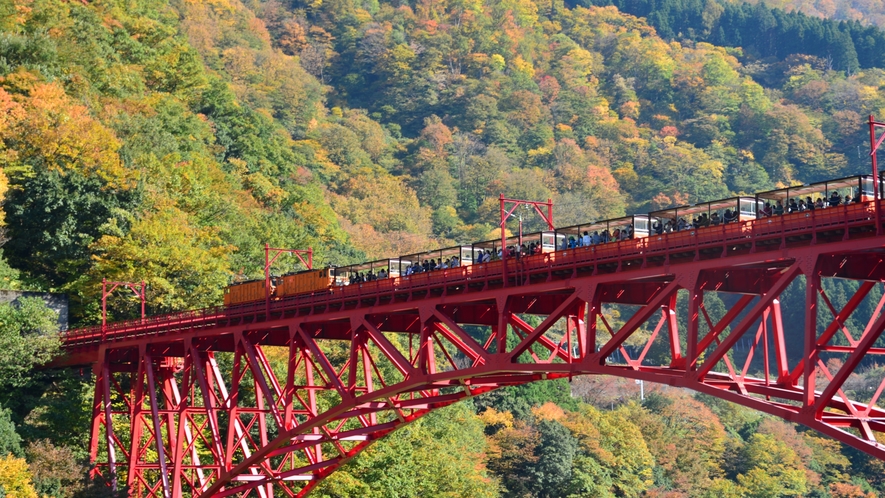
246	401
267	399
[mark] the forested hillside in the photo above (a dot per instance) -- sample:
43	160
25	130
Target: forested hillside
168	140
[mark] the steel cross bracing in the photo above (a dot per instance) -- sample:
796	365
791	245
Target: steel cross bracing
238	402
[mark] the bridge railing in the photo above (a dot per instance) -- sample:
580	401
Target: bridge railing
815	221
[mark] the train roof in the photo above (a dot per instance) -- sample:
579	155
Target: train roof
444	252
856	181
378	264
595	226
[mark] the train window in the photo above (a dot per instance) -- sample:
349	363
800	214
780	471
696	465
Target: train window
640	224
748	207
867	187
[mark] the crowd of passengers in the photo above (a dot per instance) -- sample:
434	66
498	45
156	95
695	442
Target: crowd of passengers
588	239
806	204
432	265
370	276
793	206
676	225
427	265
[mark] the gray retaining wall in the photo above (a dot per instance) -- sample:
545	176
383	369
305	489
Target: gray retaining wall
58	302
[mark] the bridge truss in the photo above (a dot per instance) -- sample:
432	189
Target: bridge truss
243	401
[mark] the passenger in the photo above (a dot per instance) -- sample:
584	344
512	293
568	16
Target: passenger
488	256
779	208
681	225
767	211
616	235
456	262
586	238
819	203
605	237
793	207
564	244
835	200
729	216
383	273
847	199
571	242
628	232
595	238
705	220
801	206
657	228
714	220
809	204
536	249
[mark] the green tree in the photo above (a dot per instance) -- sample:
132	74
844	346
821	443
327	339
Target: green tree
437	455
10	441
555	455
27	339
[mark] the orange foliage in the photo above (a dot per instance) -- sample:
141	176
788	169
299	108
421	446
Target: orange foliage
548	411
846	490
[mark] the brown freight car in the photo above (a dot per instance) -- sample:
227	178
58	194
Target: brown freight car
304	282
245	292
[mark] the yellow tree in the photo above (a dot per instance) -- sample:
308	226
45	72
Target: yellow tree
15	480
50	131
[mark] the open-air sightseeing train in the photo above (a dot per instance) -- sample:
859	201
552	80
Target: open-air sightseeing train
774	203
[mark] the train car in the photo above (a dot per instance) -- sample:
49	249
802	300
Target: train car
628	227
304	282
448	257
718	212
857	188
369	271
245	292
